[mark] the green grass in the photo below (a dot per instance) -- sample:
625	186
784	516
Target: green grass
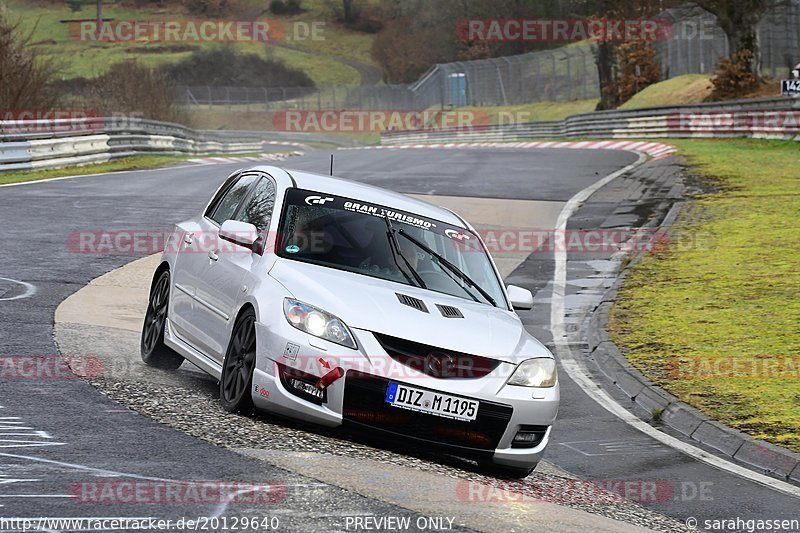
688	89
91	59
322	70
333	38
726	290
539	111
138	162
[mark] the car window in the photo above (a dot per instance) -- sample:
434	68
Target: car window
257	209
221	192
226	209
351	235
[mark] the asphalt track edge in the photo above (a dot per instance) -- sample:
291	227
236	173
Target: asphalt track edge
634	384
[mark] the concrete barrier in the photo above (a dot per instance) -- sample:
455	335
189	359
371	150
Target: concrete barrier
770	118
34	144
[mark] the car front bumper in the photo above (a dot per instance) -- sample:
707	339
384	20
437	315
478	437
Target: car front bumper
520	408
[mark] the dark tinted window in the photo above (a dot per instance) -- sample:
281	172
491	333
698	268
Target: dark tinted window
220	193
257	210
230	202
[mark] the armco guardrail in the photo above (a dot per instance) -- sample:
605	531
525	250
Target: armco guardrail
774	118
34	144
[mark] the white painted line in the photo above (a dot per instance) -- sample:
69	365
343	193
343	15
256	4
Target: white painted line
30	290
579	375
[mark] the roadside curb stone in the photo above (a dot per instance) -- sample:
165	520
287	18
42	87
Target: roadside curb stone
683	418
720	437
772	460
795	474
760	455
655	400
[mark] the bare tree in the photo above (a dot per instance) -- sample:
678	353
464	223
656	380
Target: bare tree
25	77
607	48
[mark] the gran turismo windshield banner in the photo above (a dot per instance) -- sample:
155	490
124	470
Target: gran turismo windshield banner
330	201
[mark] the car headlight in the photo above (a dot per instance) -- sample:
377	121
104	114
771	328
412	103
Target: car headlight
540	373
317	322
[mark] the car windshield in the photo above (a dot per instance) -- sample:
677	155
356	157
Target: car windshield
352	235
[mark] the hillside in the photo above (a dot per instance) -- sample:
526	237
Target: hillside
338	56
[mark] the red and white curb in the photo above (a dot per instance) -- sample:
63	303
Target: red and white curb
246	159
653	149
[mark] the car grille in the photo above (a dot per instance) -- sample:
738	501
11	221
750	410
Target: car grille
364	403
436	362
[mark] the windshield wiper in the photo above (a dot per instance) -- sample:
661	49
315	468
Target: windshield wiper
396	251
450	266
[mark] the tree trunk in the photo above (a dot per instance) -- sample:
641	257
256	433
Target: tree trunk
745	37
739	20
605	73
347	6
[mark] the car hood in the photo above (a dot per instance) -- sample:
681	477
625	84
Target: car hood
367	303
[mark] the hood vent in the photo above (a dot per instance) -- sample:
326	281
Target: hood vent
449	311
410	301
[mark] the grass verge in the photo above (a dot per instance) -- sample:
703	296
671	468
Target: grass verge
137	162
714	317
688	89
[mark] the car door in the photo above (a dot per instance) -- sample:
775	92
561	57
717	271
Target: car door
192	306
226	278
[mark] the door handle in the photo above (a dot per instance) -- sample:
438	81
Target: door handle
188	238
213	255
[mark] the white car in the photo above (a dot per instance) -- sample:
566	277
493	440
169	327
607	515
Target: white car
337	302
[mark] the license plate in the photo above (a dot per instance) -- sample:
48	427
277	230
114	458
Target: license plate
430	402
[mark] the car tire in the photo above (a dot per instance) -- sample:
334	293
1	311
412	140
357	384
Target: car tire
153	350
236	383
506	471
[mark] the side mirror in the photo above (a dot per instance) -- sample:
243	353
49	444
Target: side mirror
242	233
521	299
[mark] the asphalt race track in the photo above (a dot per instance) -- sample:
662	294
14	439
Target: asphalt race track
72	433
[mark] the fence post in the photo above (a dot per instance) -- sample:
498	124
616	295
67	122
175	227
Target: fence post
500	82
568	60
585	75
